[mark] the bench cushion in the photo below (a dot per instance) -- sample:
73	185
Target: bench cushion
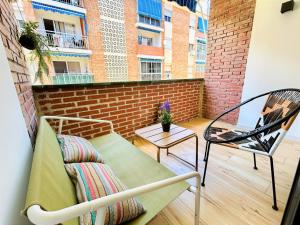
135	168
96	180
77	149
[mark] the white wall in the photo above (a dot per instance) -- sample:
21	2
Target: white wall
15	149
274	57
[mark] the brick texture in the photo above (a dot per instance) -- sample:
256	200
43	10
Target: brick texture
229	32
129	106
17	62
180	42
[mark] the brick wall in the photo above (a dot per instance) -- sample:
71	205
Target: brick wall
229	33
180	42
129	105
16	58
96	62
131	35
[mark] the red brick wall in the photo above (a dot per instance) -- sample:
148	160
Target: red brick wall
131	35
129	106
229	32
180	42
97	64
16	58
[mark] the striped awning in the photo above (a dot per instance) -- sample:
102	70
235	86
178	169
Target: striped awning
41	6
150	8
202	27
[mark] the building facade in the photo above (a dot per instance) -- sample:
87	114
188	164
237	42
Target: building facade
124	40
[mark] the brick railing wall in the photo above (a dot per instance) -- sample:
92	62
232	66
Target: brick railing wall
17	62
229	32
129	105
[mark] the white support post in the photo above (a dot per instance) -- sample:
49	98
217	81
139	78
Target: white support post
197	201
60	126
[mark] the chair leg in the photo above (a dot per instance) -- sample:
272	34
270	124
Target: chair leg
254	158
205	154
206	161
273	184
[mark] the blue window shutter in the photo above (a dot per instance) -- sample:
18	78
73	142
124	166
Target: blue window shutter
201	26
150	8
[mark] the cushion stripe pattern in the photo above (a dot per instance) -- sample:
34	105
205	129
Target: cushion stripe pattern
95	180
77	149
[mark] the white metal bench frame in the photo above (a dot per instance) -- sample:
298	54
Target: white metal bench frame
39	216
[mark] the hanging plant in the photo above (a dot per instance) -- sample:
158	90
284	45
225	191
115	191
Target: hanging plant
35	42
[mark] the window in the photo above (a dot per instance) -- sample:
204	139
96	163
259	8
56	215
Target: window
63	67
201	50
150	70
149	20
167	18
200	67
145	41
52	26
191	47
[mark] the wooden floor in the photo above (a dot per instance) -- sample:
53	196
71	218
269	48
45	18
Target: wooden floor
235	193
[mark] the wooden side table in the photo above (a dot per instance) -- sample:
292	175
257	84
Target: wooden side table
164	140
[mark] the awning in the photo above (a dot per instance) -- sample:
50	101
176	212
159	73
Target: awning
150	8
41	6
201	27
191	4
150	60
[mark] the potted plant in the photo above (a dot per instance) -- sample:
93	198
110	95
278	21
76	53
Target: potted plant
165	116
32	40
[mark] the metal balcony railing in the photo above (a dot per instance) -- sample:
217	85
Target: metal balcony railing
64	40
78	3
72	78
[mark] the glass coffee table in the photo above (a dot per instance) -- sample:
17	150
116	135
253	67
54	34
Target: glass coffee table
165	140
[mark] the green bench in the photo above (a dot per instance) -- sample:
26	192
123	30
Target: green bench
51	196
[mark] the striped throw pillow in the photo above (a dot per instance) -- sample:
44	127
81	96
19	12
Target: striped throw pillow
77	149
95	180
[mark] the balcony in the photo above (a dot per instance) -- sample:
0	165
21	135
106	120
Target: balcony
72	78
64	40
77	3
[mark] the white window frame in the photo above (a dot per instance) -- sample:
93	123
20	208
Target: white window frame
150	74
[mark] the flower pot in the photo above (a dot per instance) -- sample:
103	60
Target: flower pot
27	42
166	127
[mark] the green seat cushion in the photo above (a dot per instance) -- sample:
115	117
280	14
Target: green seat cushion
49	184
135	168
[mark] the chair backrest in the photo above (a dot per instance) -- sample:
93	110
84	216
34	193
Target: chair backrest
281	109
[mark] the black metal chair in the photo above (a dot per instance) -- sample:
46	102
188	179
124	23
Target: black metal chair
280	110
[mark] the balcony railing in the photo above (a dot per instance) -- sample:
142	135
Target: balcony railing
78	3
64	40
72	78
150	76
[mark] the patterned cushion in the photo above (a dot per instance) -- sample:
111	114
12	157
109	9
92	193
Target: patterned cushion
77	149
95	180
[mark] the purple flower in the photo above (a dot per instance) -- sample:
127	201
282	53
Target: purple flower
166	106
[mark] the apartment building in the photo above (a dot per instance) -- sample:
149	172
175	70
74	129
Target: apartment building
124	40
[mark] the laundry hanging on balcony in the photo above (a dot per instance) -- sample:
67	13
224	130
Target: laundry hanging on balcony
150	8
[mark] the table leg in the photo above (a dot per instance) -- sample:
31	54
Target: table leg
167	151
158	155
196	165
132	140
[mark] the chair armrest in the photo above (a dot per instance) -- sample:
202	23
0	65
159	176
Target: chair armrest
62	119
39	216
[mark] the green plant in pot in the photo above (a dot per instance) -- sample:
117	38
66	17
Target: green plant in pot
165	116
32	40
